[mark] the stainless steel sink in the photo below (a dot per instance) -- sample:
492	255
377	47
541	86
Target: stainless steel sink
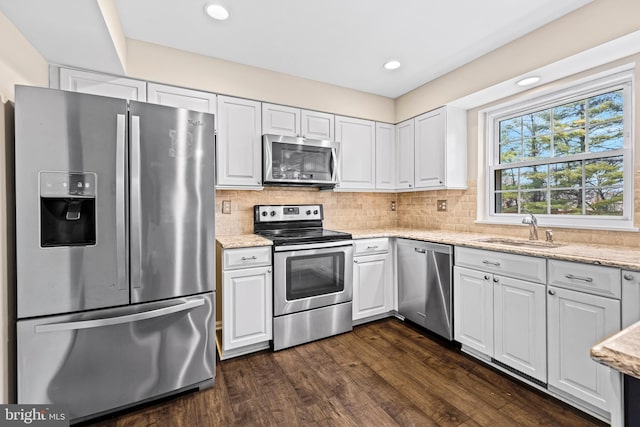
522	243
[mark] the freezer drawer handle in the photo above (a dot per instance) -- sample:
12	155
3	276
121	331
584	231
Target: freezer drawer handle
584	279
110	321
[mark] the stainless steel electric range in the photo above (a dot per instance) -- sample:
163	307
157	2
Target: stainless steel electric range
313	273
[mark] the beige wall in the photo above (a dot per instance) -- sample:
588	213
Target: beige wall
170	66
589	26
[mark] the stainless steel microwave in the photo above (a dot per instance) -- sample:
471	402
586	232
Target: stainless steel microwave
299	161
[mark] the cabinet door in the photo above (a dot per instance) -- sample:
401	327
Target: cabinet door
385	156
316	125
405	138
519	321
473	309
357	153
430	147
630	298
247	307
102	84
182	98
280	120
239	147
372	285
576	322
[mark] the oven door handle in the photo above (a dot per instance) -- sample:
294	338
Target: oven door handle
313	246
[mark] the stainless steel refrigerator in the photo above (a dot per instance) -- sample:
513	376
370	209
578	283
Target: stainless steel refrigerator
114	250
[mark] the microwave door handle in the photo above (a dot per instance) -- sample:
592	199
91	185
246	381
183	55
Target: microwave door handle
335	164
118	320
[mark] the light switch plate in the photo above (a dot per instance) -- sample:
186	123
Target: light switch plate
226	206
441	205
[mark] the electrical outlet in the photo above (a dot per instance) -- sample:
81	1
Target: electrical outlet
441	205
393	206
226	206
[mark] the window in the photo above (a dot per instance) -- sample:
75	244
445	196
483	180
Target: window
567	158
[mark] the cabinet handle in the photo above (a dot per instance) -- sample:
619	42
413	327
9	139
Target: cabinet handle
494	263
422	251
244	258
552	292
584	279
269	271
486	277
496	280
372	247
355	261
628	277
410	185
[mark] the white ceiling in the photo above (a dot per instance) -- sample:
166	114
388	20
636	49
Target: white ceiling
342	42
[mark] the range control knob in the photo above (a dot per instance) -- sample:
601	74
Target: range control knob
264	213
273	213
308	212
315	212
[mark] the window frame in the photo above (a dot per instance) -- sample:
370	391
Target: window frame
578	91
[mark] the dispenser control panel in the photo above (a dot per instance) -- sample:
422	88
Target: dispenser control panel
67	184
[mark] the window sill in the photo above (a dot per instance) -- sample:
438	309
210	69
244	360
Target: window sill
623	226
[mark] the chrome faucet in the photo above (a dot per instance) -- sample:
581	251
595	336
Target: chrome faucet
533	226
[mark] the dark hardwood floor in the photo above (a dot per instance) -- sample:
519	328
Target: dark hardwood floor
382	374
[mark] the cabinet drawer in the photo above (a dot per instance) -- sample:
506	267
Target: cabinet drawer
371	246
589	278
246	257
518	266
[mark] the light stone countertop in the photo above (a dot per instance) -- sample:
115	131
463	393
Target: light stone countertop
590	254
621	351
242	241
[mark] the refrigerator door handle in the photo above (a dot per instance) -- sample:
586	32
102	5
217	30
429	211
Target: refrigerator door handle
110	321
121	238
136	229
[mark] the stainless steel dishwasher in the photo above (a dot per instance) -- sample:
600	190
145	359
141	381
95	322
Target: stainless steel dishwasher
424	285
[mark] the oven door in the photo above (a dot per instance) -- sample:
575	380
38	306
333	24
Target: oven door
311	276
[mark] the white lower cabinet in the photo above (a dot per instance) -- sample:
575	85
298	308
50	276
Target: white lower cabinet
473	309
373	279
499	316
372	285
245	300
247	316
576	322
519	319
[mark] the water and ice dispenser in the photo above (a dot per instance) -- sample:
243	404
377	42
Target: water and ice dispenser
67	209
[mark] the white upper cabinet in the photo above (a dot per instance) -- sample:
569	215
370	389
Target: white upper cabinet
316	125
182	98
405	141
357	153
280	120
385	156
289	121
441	149
102	84
239	143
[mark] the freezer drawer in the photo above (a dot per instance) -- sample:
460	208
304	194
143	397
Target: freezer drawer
102	360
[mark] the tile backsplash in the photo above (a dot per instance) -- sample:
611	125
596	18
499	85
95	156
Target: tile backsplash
341	210
353	211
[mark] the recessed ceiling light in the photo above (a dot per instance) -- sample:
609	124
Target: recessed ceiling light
392	65
217	11
528	81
